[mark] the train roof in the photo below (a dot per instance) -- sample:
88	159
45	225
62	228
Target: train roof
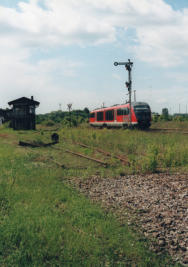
120	106
139	103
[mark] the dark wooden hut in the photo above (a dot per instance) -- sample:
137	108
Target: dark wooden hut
23	113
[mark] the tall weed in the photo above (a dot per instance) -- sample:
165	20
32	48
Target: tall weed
150	162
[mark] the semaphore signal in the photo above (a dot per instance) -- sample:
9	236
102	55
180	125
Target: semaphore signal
128	65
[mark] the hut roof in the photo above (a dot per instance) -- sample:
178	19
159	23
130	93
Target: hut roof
24	101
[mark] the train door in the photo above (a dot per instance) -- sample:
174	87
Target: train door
126	115
115	115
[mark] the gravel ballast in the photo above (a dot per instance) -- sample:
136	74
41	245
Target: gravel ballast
156	203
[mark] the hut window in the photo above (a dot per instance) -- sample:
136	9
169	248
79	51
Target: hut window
31	110
19	111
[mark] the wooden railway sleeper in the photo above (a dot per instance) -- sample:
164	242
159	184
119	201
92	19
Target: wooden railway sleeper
106	153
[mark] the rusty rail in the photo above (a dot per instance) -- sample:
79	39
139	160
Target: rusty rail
105	153
86	157
168	130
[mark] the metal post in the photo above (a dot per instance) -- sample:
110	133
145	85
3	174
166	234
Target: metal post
60	105
130	92
134	95
69	108
128	65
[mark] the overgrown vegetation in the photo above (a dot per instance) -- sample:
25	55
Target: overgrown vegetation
173	124
166	117
45	222
64	118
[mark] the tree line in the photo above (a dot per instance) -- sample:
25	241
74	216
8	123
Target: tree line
66	118
165	116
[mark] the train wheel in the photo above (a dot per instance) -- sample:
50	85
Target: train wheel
125	127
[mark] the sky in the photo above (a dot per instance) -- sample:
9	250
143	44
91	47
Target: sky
63	51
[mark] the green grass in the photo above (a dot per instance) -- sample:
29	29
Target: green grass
45	222
182	125
145	151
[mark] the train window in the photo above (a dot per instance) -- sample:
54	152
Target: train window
109	115
119	112
100	116
122	111
141	107
92	115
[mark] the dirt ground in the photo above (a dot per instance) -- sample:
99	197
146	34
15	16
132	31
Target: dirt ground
155	203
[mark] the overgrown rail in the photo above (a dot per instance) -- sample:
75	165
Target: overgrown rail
168	130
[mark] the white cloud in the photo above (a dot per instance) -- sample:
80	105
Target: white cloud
43	79
161	32
161	38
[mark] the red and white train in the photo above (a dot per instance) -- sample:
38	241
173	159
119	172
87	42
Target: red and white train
119	116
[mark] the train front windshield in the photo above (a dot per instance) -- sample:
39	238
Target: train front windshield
142	112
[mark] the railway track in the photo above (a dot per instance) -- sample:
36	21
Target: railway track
163	130
124	160
105	162
106	153
168	130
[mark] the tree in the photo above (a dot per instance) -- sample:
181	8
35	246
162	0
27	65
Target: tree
86	110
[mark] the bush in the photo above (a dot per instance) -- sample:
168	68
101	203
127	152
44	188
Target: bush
48	123
69	122
7	124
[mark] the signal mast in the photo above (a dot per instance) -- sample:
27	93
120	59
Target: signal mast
128	65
